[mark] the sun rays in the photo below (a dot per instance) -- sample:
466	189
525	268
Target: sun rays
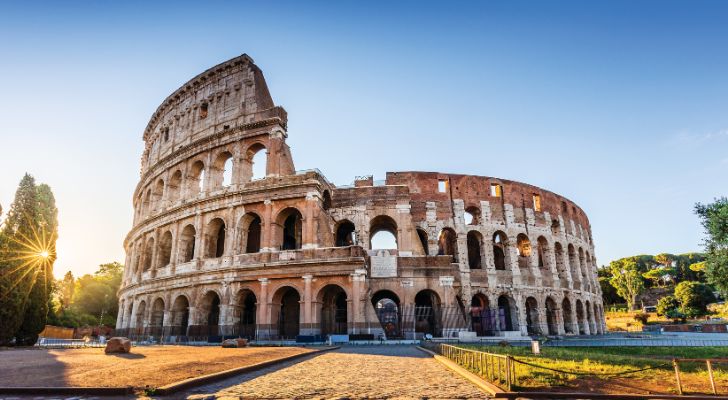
27	255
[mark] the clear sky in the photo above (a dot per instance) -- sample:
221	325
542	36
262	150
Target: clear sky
621	106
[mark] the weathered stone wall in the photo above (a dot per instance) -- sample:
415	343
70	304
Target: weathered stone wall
217	251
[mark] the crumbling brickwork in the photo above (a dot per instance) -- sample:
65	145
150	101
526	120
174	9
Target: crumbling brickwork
217	251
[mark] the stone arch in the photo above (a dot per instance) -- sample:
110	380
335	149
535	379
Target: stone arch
422	235
156	319
148	254
580	321
333	312
447	243
590	317
174	186
246	308
256	157
552	322
388	308
574	263
158	194
147	203
250	229
507	313
165	250
180	316
532	318
215	234
221	173
582	269
428	315
196	178
187	241
345	233
286	312
326	200
209	314
472	215
289	223
560	259
567	314
482	318
475	250
139	316
379	227
544	252
500	250
524	250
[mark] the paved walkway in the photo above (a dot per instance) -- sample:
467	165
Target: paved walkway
391	372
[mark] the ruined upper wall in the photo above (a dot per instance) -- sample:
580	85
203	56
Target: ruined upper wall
230	94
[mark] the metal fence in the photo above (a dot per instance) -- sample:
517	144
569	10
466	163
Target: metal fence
497	369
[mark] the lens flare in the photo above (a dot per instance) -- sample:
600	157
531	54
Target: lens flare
35	254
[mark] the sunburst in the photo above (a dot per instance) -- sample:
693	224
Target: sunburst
36	254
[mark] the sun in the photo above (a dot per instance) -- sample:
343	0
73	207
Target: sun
44	254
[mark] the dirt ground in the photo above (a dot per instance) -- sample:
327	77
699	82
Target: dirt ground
152	366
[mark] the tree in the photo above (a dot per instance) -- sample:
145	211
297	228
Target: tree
66	290
96	294
609	294
660	275
36	309
714	218
667	304
693	297
17	268
626	279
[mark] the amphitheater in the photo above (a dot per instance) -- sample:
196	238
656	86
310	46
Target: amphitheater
229	239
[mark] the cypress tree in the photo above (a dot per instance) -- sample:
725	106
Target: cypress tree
16	273
36	310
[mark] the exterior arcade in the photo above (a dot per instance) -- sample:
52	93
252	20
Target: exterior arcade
221	246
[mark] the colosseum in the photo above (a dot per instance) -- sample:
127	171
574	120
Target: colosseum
229	239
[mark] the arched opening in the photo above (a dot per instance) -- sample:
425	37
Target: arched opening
147	204
582	268
148	253
247	309
224	169
567	316
507	313
158	194
482	319
422	235
560	263
447	244
345	235
574	263
532	322
326	200
387	307
474	251
139	318
551	316
286	312
128	315
472	215
215	239
499	250
543	246
580	317
524	250
383	233
165	249
257	154
427	313
174	185
291	222
590	318
187	244
196	178
250	233
333	310
180	316
156	320
210	313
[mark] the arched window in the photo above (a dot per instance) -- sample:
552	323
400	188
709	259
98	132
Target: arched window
474	250
422	235
387	307
250	233
499	250
345	234
290	223
326	200
165	249
543	251
524	250
196	178
472	216
223	169
215	238
257	158
447	243
174	185
148	252
187	244
383	233
157	194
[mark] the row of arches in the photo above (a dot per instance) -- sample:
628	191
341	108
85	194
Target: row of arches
196	177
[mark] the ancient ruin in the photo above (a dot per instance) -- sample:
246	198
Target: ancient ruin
230	240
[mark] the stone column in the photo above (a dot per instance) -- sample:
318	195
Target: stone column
307	316
356	319
267	239
309	228
262	320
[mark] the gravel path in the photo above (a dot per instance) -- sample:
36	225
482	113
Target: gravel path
351	372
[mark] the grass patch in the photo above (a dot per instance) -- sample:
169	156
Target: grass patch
602	363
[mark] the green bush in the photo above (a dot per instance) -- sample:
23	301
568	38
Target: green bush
667	304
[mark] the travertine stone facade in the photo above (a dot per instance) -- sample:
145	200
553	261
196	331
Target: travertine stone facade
216	250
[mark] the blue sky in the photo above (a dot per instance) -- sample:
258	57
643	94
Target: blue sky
622	106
